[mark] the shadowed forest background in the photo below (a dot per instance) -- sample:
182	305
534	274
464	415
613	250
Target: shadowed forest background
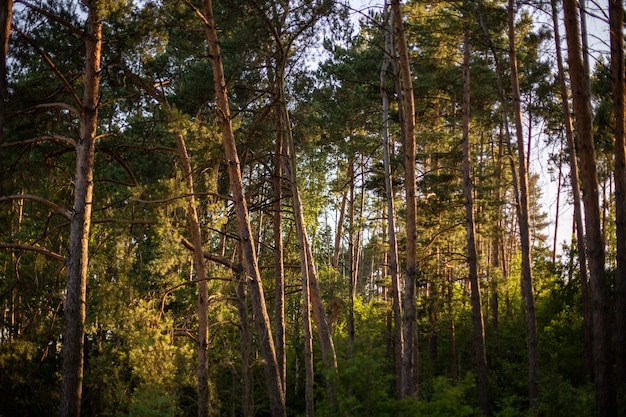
300	207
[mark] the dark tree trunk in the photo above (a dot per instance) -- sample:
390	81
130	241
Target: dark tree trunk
6	13
247	360
480	354
398	339
409	364
578	218
279	268
605	391
616	23
524	219
80	222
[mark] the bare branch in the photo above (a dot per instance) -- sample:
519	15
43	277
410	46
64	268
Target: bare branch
49	138
55	207
31	248
167	200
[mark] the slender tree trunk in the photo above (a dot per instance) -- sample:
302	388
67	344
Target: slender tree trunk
247	361
409	364
524	219
279	268
616	23
262	322
80	222
605	391
480	354
398	339
575	184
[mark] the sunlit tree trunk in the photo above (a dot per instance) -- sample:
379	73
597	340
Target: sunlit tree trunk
279	268
524	219
410	371
480	354
616	22
80	222
272	373
605	391
398	339
575	184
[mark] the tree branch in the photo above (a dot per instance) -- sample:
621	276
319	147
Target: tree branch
55	207
26	247
51	138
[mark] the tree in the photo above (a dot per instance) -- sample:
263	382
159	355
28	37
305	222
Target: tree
480	355
80	222
616	23
524	218
575	184
410	387
272	373
388	25
579	79
6	12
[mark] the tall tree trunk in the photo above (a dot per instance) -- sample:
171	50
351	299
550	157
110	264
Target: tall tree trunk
272	373
279	268
410	366
575	184
605	391
616	22
80	222
307	263
398	339
524	219
480	354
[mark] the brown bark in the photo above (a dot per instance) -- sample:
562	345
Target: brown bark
605	391
398	339
279	267
339	231
616	24
80	222
480	354
524	220
247	360
262	322
410	372
575	185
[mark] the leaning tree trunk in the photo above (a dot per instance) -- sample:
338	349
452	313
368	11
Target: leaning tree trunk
605	390
272	372
398	339
480	354
409	364
80	222
524	219
616	22
575	184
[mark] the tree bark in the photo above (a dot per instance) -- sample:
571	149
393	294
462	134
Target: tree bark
396	296
616	24
247	361
409	364
480	354
605	391
524	219
272	373
80	222
279	267
575	184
